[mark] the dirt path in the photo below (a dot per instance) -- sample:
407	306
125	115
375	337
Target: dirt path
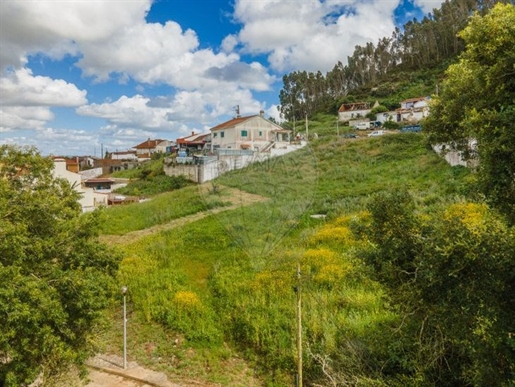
236	197
106	370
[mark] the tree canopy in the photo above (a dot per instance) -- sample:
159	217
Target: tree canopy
452	276
477	103
56	278
417	46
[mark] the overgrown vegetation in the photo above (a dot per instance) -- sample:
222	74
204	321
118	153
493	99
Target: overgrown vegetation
56	278
149	179
407	275
230	277
477	105
160	209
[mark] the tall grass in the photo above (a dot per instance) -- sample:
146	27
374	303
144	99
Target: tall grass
231	277
160	209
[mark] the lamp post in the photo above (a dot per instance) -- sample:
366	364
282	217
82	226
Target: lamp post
124	292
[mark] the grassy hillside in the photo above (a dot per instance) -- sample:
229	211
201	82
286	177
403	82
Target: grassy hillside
207	293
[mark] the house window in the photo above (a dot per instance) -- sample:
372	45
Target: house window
244	133
260	133
215	135
222	134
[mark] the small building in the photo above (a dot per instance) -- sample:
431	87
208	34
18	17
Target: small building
89	199
349	111
145	150
123	155
164	146
194	143
251	133
412	110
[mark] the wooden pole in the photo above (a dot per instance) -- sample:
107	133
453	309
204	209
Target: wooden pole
299	330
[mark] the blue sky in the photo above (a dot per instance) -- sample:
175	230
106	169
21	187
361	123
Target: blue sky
76	77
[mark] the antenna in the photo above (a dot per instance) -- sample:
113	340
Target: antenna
237	110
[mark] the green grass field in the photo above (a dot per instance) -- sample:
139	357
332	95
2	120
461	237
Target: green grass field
222	288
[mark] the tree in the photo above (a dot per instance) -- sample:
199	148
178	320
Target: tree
56	278
452	277
478	103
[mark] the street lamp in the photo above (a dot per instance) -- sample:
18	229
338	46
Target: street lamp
124	292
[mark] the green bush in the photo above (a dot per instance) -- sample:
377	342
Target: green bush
151	184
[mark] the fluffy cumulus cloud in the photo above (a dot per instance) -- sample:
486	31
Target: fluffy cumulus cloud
168	113
22	88
25	99
55	27
111	42
128	112
311	35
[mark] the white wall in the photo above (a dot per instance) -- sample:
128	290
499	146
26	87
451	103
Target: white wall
89	199
225	163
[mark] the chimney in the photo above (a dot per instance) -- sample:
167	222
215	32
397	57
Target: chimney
261	113
192	132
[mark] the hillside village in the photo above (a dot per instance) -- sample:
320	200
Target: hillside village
365	255
233	144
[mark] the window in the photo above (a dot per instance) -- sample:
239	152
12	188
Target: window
244	133
215	135
222	134
260	133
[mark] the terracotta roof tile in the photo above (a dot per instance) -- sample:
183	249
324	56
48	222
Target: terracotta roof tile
232	123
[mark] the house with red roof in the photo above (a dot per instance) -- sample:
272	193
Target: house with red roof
254	133
195	142
145	150
355	110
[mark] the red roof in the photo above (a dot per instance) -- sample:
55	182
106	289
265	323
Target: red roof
149	144
347	107
232	123
195	139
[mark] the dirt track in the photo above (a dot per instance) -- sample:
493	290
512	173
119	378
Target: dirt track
236	197
106	370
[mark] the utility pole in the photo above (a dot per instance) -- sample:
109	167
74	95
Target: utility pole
337	129
299	329
307	128
124	292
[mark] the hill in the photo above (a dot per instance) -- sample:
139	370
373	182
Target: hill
221	288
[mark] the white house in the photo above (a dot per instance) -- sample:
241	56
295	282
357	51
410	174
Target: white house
163	145
89	198
249	133
124	155
412	110
350	111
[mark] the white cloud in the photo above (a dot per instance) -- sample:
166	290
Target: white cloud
309	35
18	117
428	5
25	99
128	112
172	115
53	27
21	88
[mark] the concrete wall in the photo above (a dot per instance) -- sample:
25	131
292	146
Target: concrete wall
225	163
454	157
90	173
